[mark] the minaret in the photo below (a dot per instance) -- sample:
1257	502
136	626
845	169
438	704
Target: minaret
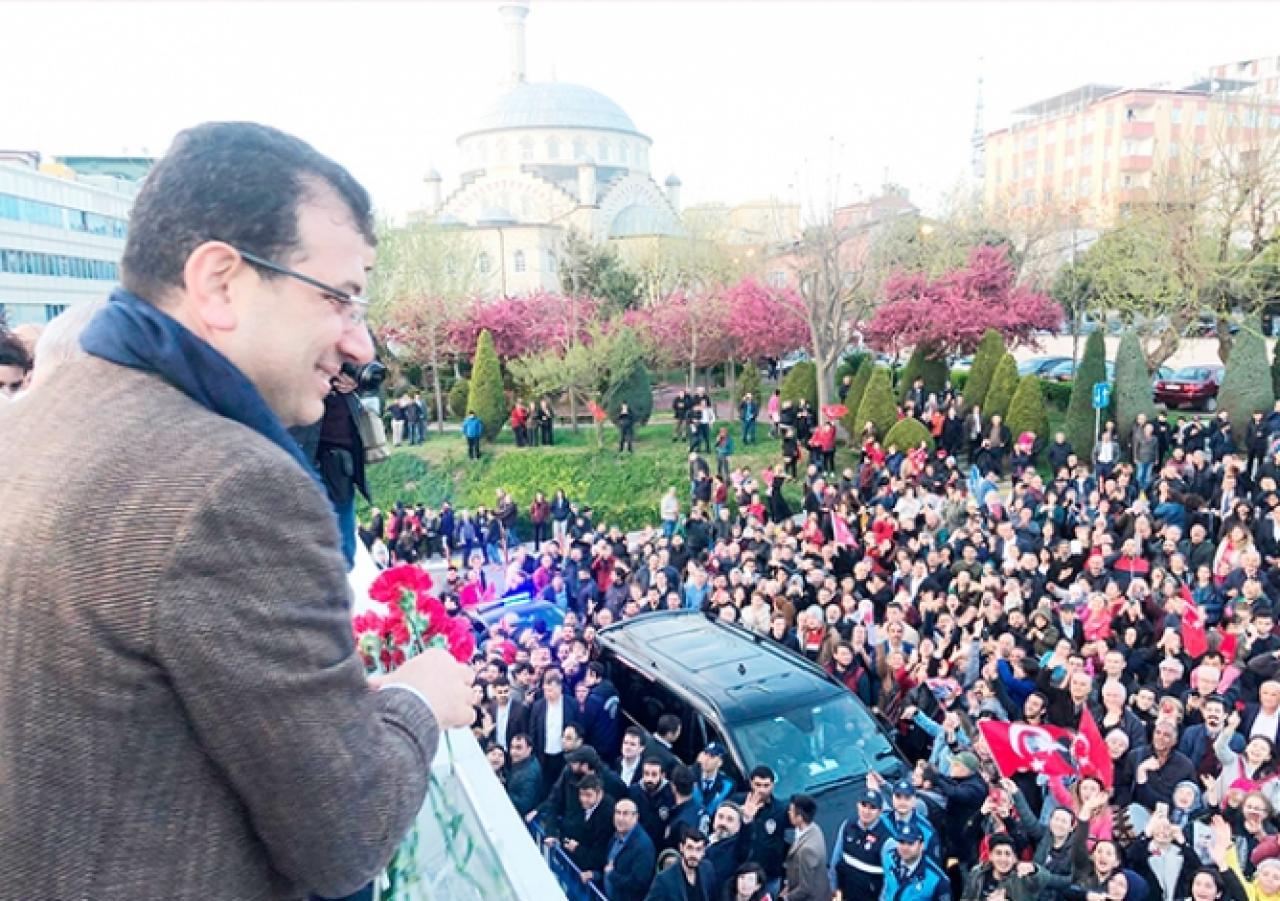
433	181
979	139
513	16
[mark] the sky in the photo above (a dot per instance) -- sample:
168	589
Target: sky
799	101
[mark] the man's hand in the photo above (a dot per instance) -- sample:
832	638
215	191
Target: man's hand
343	383
443	681
571	845
1026	868
587	876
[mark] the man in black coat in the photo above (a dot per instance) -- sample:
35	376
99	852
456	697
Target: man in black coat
766	816
524	781
686	814
550	714
653	797
630	859
586	830
691	877
510	716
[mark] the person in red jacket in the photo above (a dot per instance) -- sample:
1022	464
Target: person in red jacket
520	424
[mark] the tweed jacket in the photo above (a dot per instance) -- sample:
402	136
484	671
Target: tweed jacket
182	712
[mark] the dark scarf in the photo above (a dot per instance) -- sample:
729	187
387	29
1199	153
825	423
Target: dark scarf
131	332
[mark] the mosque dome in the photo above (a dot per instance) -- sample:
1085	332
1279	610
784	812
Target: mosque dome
552	105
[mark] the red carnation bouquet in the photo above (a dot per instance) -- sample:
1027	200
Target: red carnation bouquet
415	620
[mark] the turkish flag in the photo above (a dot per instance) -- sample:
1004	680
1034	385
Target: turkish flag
1091	751
1021	747
1194	640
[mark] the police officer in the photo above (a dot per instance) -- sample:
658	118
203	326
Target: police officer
909	873
857	859
767	818
653	795
903	811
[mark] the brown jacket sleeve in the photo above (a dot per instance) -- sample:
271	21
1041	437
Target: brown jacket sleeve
253	627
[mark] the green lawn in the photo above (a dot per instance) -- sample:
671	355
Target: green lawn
621	488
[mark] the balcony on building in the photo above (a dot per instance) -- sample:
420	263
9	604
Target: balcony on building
1135	163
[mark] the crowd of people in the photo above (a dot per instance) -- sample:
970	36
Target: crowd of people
1137	584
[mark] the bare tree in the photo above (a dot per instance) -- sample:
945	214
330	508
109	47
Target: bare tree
424	274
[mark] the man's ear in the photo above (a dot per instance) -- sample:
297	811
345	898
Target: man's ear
209	275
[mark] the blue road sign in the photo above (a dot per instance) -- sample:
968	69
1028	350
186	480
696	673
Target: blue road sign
1101	396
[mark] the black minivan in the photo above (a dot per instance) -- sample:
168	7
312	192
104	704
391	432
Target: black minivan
764	703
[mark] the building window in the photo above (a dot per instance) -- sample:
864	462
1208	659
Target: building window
1201	117
1087	126
1127	181
625	151
518	261
1048	165
553	149
1173	149
27	262
579	149
552	265
1069	162
777	278
526	149
1071	130
1086	186
52	310
483	263
1175	115
602	152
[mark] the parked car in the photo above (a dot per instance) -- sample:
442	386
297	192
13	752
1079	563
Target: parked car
519	612
1191	387
1066	371
765	704
962	364
1040	365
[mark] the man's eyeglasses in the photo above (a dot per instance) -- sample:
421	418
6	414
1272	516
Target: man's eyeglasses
353	306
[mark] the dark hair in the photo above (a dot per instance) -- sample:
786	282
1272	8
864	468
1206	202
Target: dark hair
668	723
805	806
237	182
682	780
763	772
693	834
590	782
635	731
13	352
500	682
520	736
652	761
596	668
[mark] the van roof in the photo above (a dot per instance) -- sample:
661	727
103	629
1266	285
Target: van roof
743	675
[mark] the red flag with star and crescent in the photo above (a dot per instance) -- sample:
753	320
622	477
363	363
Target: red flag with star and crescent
1022	748
1091	751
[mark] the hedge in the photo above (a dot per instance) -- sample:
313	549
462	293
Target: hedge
458	397
913	370
1056	394
637	391
1132	390
487	398
801	383
1003	384
907	434
1080	415
877	406
936	373
1247	384
991	351
748	382
1026	410
851	364
857	388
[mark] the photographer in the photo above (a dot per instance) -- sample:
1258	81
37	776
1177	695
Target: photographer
334	447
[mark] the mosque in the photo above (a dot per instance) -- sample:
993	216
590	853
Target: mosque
541	159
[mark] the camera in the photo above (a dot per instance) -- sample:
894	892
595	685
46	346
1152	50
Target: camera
368	378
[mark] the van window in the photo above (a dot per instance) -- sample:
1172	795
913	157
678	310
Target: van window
644	700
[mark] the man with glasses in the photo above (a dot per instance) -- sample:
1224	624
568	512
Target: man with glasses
630	860
204	669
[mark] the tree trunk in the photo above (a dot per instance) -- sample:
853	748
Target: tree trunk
1225	339
573	411
436	390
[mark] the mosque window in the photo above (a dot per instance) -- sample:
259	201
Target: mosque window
579	148
551	261
483	263
504	152
602	151
553	149
526	149
625	150
518	261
